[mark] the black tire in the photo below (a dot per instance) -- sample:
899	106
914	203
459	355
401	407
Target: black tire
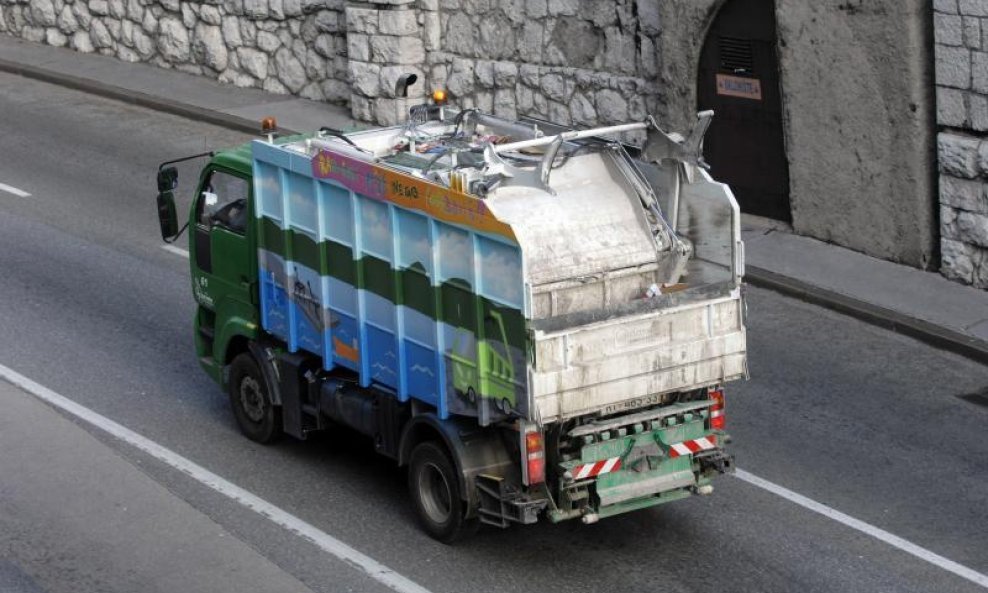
435	490
471	396
257	417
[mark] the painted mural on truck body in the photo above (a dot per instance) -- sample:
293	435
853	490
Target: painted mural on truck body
414	287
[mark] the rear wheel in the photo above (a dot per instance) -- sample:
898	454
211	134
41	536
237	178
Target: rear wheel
257	417
435	490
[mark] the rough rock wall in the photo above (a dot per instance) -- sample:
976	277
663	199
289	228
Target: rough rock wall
687	22
281	46
961	31
385	39
571	61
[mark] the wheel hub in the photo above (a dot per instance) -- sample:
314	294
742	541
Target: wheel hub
251	399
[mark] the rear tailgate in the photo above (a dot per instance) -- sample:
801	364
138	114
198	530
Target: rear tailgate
628	362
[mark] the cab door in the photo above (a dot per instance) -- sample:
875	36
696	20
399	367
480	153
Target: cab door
224	274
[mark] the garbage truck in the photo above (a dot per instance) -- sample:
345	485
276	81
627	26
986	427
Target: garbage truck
537	321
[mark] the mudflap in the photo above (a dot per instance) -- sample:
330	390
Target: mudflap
501	503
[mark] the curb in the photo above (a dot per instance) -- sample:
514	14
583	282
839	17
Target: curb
924	331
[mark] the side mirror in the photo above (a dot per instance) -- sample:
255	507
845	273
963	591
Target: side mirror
167	217
167	179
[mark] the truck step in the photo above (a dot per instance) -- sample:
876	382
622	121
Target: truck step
207	333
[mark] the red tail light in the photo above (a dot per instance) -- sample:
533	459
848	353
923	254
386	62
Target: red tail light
717	409
535	454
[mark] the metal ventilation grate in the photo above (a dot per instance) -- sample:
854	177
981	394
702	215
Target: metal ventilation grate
736	55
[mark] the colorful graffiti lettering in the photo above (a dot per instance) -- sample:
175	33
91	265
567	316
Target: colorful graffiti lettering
323	164
379	183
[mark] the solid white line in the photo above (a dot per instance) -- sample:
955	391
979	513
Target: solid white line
375	569
10	189
176	250
866	528
323	540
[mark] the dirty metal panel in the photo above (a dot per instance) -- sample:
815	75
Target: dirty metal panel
593	224
595	368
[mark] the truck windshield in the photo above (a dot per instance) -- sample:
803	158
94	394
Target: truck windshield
224	202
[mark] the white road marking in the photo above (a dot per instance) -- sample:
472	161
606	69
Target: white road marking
323	540
375	569
10	189
866	528
176	250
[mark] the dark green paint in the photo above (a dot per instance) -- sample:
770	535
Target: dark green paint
229	309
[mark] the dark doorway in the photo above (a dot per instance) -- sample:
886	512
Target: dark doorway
739	80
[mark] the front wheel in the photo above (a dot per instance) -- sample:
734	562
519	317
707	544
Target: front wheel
257	417
435	490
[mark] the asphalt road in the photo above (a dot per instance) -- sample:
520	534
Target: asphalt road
865	421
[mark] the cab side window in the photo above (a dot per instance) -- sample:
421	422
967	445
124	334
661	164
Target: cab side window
224	202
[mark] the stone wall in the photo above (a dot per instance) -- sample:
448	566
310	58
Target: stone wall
281	46
385	40
571	61
579	62
961	31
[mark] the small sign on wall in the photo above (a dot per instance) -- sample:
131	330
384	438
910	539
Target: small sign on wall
739	86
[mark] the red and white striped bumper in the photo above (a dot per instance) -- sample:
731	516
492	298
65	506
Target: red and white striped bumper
606	466
597	468
694	446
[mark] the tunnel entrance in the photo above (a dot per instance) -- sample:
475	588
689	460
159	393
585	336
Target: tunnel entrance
739	79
